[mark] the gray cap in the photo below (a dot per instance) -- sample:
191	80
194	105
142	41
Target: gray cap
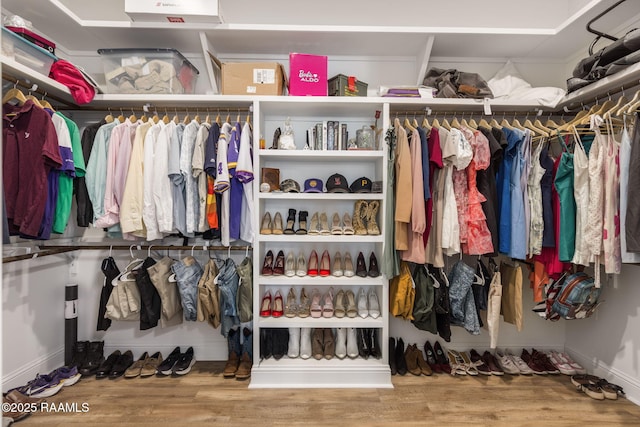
289	186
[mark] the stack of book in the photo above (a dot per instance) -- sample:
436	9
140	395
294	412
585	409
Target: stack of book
328	135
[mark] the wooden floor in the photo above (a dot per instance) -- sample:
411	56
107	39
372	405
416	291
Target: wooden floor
203	397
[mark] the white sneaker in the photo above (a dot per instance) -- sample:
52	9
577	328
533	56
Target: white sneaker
352	343
341	343
374	305
363	311
507	365
294	343
572	363
520	364
560	364
305	343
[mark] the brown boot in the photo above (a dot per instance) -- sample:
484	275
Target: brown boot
372	212
411	358
231	367
359	215
317	343
424	367
244	369
329	344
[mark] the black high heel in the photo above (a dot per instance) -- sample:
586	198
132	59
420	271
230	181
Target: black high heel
302	222
291	221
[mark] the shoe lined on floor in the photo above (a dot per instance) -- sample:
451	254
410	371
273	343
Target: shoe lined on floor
290	265
522	366
490	360
336	228
457	363
105	367
266	225
533	363
401	363
40	387
347	225
507	364
166	367
185	363
135	369
411	358
431	358
92	359
425	369
68	376
470	366
560	364
150	366
337	265
392	356
122	364
442	358
478	362
573	364
244	367
544	361
277	227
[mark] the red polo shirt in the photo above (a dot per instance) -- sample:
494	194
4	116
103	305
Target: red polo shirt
30	150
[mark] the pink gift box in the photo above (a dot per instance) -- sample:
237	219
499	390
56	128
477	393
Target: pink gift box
307	74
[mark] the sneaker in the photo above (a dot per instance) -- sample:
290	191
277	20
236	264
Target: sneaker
533	363
41	386
490	360
478	362
507	364
521	364
560	364
166	367
67	376
574	365
544	362
185	363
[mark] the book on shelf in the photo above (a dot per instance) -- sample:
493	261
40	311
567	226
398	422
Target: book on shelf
344	136
331	142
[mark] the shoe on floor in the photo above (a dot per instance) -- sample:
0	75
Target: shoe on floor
185	363
67	376
40	387
166	367
135	369
150	366
122	364
105	367
244	368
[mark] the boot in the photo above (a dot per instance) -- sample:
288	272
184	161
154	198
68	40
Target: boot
424	367
329	344
80	351
291	221
294	343
401	363
375	350
266	342
95	357
246	361
233	342
302	222
352	343
411	359
305	343
371	214
341	343
317	343
359	214
280	342
363	343
392	356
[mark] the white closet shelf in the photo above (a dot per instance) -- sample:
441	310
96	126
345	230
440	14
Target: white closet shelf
312	373
306	238
321	322
221	102
460	105
30	76
322	155
321	196
318	106
323	281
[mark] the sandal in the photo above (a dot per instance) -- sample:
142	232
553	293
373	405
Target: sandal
336	229
316	308
470	366
304	309
324	224
313	226
291	308
610	390
457	363
347	227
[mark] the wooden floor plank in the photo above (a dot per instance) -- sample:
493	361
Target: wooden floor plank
204	397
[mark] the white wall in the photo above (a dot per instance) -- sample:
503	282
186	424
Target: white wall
608	343
32	318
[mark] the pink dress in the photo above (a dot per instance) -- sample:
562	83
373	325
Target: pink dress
478	240
611	232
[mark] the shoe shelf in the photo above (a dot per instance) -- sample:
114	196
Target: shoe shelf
306	238
320	322
323	281
321	196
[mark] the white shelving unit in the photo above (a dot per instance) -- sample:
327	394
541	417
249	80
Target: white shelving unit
300	165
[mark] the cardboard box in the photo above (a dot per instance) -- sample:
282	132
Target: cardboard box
252	78
307	74
175	11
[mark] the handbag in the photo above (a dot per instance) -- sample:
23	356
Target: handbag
578	297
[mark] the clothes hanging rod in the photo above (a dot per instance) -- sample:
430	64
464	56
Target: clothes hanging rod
169	109
145	247
435	113
29	86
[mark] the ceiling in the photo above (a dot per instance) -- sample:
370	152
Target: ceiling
550	29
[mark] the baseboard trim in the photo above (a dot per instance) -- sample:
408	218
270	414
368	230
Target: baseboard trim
28	371
630	384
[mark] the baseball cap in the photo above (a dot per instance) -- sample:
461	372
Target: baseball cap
289	186
361	185
337	184
313	185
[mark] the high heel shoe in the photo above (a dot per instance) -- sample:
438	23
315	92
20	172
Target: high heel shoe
361	267
374	304
302	222
312	270
374	271
347	225
337	265
277	224
291	308
265	307
278	306
304	309
290	265
336	228
324	224
348	265
325	264
291	221
339	308
371	213
352	310
441	358
313	225
316	308
278	265
301	266
267	266
266	225
363	311
327	307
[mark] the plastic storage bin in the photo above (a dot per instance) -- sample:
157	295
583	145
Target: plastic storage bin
26	53
148	71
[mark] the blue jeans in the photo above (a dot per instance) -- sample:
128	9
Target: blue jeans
228	285
188	273
463	307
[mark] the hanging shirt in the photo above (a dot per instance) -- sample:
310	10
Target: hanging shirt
611	225
149	219
625	160
235	196
519	198
244	172
503	181
416	251
177	180
435	163
464	155
30	151
222	182
536	223
546	184
96	177
214	200
133	193
83	201
65	184
162	188
564	186
486	183
424	156
581	254
197	168
404	189
191	186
